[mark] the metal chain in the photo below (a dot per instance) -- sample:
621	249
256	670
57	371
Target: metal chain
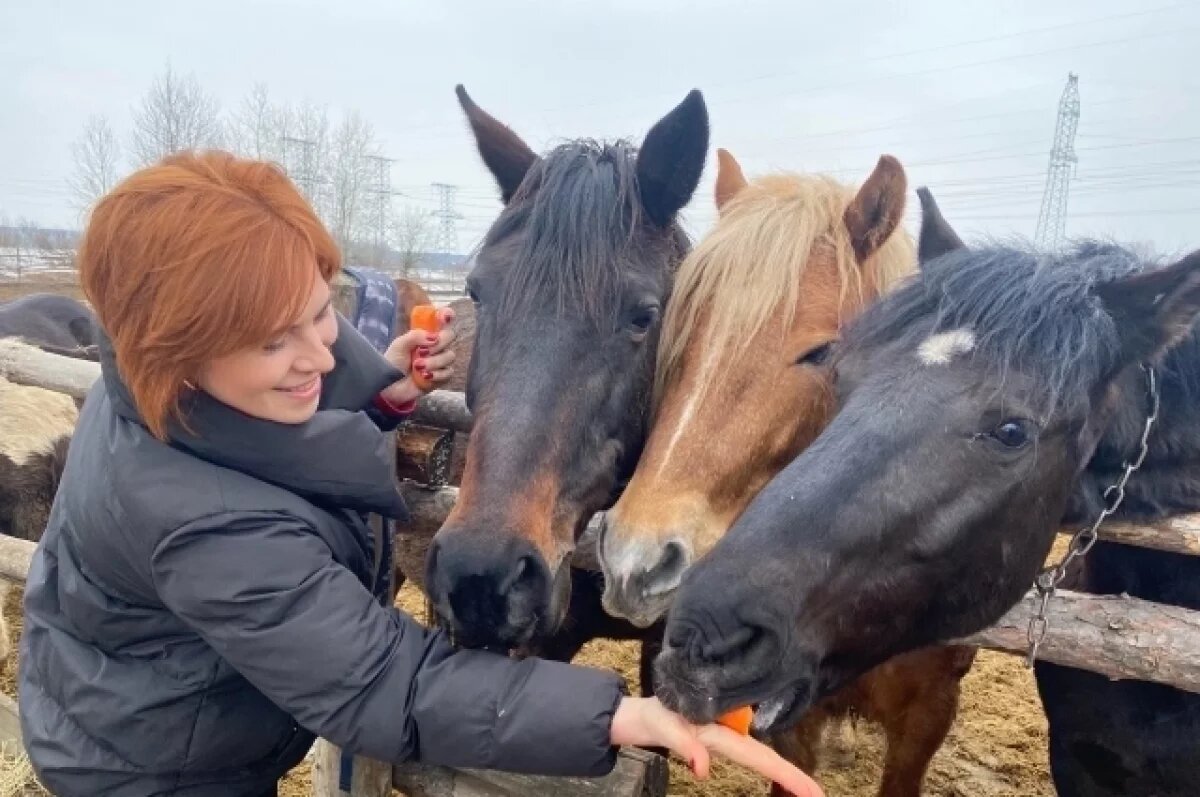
1048	580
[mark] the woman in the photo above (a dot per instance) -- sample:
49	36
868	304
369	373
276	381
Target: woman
201	603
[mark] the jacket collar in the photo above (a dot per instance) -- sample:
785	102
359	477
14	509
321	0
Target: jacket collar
338	457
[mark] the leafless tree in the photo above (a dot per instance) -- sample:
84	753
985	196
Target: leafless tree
349	178
259	126
95	153
411	235
21	244
175	114
305	150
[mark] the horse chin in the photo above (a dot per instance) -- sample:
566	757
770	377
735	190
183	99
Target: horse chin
783	710
700	696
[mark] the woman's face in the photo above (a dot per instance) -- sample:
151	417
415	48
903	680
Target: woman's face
280	380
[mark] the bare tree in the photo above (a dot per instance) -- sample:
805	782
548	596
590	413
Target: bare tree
305	150
95	153
175	114
23	246
411	235
349	177
259	126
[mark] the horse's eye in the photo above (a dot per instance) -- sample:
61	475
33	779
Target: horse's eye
472	295
643	318
1012	433
816	355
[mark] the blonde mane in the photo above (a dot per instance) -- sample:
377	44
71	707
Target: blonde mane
748	270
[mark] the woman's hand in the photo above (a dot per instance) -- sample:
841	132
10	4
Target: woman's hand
418	351
645	722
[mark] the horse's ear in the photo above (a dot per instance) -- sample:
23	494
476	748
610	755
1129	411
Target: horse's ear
937	236
730	179
671	159
503	152
1153	310
877	209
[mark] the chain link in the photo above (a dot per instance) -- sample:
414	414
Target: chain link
1048	580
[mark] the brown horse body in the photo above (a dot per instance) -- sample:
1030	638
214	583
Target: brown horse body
741	390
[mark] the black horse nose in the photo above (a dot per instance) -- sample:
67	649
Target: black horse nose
488	589
725	642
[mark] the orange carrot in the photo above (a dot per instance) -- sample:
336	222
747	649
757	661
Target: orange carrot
738	719
428	318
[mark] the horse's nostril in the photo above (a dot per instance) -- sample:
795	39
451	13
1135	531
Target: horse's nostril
514	575
664	576
746	645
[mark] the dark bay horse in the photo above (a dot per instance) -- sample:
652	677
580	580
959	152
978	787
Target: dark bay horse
51	322
569	287
742	389
977	407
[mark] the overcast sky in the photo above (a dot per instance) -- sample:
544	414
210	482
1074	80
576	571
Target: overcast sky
964	92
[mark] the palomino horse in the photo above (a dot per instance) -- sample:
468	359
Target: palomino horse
970	403
569	287
742	389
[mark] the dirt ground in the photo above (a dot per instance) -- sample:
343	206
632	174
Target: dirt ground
68	285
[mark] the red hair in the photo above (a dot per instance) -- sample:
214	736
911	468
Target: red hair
193	258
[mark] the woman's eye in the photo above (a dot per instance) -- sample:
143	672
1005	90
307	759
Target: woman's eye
275	345
1012	433
816	355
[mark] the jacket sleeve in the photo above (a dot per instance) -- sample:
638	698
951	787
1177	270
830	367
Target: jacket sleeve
359	375
263	590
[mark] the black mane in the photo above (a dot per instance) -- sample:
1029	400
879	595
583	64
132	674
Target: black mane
579	210
1031	311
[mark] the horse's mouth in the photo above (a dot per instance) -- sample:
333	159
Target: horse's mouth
778	712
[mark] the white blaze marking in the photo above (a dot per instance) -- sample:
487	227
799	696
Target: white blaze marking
939	349
689	409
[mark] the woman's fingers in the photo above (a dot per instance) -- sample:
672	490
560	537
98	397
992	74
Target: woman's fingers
757	756
437	362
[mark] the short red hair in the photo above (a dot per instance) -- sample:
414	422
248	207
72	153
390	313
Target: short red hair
193	258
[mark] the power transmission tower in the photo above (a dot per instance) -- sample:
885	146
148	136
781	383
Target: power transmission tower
300	160
381	187
1052	219
447	233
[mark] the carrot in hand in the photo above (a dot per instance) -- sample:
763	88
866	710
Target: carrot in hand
737	720
428	318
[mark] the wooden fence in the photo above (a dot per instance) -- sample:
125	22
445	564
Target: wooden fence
1117	636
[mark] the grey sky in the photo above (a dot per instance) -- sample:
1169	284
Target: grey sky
963	92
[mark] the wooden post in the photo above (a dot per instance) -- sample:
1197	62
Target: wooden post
10	724
636	774
368	778
444	409
15	556
26	365
423	454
